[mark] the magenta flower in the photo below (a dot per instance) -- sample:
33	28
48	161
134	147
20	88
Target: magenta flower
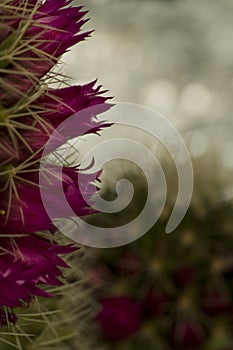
26	263
52	108
119	318
58	104
51	29
27	213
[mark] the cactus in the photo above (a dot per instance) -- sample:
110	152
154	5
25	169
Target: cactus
33	36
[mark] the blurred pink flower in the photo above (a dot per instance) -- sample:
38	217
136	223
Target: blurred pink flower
119	318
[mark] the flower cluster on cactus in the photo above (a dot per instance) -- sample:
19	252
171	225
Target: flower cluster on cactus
33	36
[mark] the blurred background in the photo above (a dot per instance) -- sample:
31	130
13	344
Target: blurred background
173	56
